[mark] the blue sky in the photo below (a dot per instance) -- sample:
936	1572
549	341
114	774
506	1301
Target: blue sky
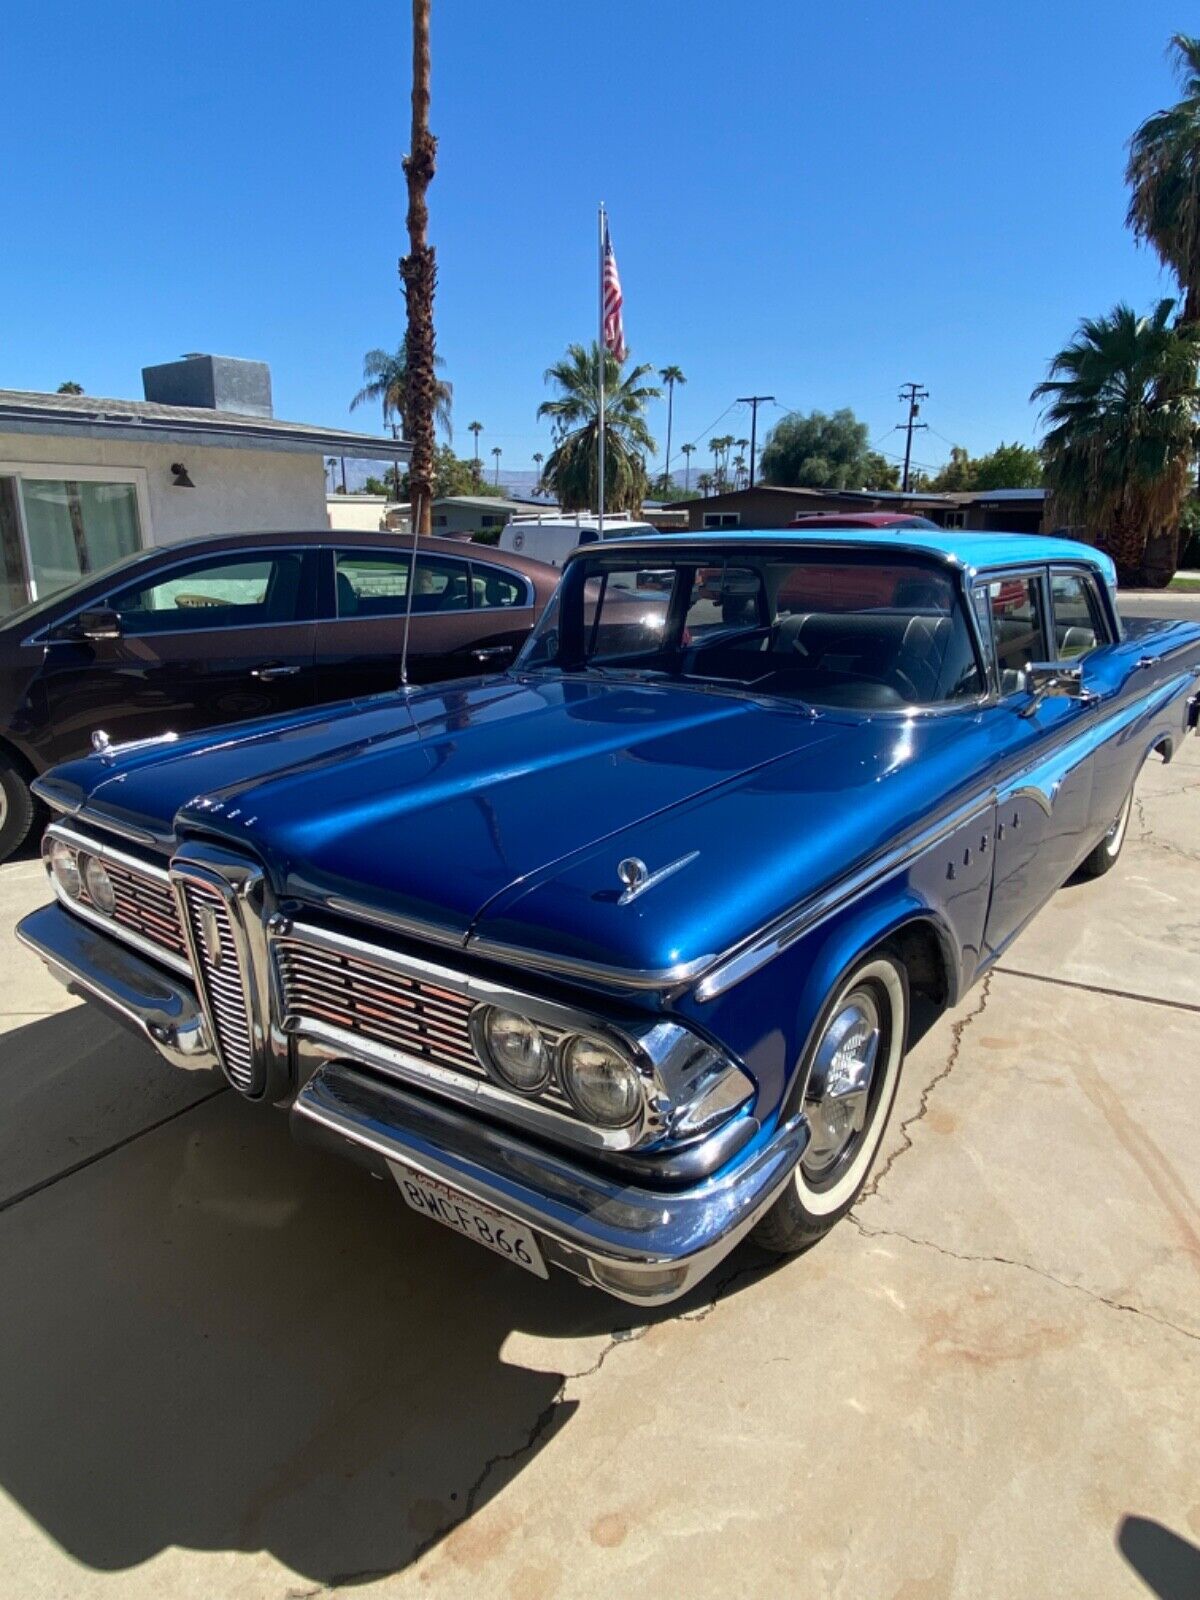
818	202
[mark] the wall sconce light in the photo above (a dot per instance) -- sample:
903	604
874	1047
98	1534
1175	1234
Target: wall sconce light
179	476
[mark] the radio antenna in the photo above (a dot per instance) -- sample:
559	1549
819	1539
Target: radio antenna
414	512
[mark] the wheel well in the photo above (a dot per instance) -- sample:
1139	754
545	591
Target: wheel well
13	756
1164	748
918	946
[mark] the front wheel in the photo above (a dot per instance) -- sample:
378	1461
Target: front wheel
16	809
849	1084
1104	857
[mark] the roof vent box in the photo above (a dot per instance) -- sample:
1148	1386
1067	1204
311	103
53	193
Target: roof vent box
215	383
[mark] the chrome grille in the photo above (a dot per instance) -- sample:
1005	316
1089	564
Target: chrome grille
417	1018
147	907
219	972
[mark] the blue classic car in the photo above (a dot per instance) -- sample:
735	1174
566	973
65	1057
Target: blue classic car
613	959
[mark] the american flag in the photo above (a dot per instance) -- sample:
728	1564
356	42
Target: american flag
611	300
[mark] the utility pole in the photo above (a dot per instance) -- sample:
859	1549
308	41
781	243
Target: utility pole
914	394
753	401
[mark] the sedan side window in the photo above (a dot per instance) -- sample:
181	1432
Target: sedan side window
370	585
493	587
226	592
1077	627
1018	630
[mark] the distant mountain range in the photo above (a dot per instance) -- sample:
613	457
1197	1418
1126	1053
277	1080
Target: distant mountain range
519	484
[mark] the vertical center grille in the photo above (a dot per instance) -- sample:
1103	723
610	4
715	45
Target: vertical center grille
221	978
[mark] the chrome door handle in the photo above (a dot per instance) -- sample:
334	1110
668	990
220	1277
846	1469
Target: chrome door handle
266	674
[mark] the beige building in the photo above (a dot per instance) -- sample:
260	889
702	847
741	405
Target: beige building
86	481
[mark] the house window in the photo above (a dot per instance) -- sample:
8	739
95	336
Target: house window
722	519
955	519
440	521
487	521
60	524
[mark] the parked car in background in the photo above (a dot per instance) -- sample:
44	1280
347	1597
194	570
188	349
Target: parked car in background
895	521
552	537
218	630
614	958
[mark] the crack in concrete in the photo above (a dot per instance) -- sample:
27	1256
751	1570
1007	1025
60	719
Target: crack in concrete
543	1421
1024	1266
957	1035
1099	988
1148	835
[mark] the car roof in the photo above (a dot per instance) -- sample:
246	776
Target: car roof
977	552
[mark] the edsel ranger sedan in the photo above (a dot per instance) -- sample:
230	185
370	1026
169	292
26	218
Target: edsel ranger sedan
613	959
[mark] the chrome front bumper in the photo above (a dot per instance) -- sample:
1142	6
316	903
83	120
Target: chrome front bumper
645	1245
161	1008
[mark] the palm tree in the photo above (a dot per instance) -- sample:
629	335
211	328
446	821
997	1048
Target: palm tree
476	428
497	452
687	451
670	376
704	483
572	472
1163	174
716	445
538	458
70	387
418	273
742	446
1122	400
739	471
385	380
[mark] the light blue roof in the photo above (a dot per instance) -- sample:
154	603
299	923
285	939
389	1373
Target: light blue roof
979	552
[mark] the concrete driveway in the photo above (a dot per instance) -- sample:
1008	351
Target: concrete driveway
230	1367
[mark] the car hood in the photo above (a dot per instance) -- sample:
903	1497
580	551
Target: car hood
497	813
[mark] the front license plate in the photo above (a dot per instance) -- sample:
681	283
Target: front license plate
489	1228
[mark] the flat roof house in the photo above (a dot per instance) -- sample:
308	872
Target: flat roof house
772	506
85	481
464	515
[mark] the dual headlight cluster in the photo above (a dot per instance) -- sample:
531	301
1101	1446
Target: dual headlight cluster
76	873
602	1084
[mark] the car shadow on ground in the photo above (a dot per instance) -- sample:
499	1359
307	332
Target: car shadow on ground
218	1339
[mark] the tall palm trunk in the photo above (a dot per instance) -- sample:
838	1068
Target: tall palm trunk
418	271
670	412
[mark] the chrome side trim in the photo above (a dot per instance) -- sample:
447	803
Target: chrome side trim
1038	778
769	943
108	852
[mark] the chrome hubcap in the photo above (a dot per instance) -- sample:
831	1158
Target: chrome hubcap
838	1096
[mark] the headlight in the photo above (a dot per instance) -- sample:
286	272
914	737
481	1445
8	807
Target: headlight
603	1085
65	867
99	886
517	1049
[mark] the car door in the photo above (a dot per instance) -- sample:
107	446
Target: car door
361	635
1043	801
210	640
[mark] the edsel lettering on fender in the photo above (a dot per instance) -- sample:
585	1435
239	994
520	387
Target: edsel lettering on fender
608	960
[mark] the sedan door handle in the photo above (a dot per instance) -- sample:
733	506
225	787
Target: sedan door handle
490	655
274	669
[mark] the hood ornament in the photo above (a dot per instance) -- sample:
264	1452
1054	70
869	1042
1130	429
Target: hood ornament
636	876
102	744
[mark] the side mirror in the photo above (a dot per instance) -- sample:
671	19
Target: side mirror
99	624
1052	680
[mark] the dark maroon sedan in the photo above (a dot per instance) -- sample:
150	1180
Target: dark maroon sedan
245	625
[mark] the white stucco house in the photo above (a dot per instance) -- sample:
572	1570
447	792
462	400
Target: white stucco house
85	481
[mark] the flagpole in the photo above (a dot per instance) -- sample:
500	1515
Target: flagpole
600	363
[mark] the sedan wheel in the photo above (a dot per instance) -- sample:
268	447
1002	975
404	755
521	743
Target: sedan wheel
16	809
1104	857
849	1085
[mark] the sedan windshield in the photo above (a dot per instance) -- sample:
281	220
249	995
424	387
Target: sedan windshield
865	629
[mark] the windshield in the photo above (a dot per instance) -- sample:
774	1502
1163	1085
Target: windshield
862	629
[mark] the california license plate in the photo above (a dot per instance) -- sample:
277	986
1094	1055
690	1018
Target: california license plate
492	1229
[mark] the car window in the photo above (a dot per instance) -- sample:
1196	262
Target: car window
1018	631
828	632
625	611
374	585
224	592
491	586
1077	628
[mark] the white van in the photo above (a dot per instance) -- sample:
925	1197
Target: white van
552	537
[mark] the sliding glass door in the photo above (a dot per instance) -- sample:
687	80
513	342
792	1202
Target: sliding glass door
57	528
